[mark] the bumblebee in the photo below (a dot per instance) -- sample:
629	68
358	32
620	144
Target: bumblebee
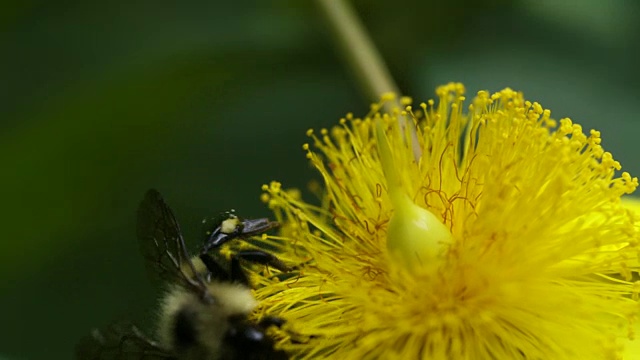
204	312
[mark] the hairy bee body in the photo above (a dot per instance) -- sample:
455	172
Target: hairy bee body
194	329
204	313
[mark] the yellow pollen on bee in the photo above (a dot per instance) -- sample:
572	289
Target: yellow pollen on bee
229	225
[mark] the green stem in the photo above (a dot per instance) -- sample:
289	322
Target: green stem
363	58
361	54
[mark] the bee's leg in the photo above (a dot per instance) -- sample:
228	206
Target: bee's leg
278	322
255	256
237	272
246	228
264	258
268	321
119	340
216	270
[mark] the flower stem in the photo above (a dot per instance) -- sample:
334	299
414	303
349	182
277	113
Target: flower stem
360	52
363	58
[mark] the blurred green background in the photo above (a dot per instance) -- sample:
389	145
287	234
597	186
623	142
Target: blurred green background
207	101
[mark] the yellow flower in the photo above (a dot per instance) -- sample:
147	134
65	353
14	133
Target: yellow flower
506	240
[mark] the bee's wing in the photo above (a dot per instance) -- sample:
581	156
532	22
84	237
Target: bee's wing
120	342
163	246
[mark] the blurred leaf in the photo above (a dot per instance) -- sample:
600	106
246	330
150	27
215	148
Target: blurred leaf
61	168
